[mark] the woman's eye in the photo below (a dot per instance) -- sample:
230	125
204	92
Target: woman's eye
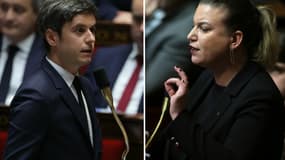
204	27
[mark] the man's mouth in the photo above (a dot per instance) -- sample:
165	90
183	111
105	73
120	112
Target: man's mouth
87	50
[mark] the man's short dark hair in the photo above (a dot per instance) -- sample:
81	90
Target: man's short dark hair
54	14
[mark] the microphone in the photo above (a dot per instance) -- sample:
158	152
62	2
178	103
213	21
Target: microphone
103	83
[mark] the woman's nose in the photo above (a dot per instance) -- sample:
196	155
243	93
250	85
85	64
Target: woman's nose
192	35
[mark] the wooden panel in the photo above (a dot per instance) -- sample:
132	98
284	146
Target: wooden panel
108	33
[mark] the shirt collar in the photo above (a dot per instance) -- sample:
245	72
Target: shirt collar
134	51
67	76
24	45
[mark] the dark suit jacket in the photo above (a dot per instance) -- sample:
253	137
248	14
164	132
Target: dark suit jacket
35	56
166	47
108	9
245	123
112	60
46	122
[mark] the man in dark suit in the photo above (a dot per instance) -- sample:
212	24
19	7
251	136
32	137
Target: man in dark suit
117	11
18	29
53	112
119	63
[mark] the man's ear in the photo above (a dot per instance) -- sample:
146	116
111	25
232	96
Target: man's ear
51	37
236	39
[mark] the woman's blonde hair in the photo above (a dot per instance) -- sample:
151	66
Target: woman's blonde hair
268	50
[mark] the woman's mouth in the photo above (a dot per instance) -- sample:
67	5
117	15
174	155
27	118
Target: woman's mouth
193	50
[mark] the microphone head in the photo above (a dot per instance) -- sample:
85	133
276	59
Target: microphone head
101	78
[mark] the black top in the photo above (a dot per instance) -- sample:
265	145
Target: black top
243	121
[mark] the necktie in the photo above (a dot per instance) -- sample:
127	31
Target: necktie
125	98
6	76
83	104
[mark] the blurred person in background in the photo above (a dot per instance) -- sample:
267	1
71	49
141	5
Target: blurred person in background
117	11
278	71
21	47
166	45
122	64
1	18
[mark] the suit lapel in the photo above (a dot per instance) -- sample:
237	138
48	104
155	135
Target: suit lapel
224	101
68	97
76	109
219	107
114	66
35	56
198	92
91	107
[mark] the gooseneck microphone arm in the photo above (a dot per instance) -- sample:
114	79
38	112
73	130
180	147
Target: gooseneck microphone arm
164	108
103	83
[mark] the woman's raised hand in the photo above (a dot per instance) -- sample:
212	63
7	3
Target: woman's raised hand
177	89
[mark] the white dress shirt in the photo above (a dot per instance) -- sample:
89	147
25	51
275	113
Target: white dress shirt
121	82
19	64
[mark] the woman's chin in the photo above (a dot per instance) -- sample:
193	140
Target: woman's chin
195	61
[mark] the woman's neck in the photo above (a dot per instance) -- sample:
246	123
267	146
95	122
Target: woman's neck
224	75
223	78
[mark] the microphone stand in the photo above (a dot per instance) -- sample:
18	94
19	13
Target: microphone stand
164	107
109	98
103	83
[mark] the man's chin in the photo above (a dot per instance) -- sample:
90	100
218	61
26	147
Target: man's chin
86	61
11	34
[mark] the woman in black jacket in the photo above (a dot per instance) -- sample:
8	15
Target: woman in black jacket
234	111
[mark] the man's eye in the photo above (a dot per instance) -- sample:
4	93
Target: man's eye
80	30
4	7
19	9
93	29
